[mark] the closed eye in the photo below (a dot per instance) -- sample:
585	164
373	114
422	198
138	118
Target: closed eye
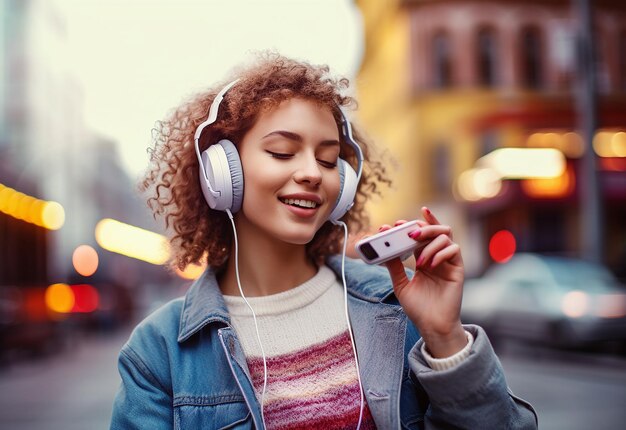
327	164
279	155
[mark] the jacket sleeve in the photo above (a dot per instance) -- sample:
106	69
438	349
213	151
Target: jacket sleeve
473	394
142	401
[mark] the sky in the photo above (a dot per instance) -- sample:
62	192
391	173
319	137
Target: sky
138	59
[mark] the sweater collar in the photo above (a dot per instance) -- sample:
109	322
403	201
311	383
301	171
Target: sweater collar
204	303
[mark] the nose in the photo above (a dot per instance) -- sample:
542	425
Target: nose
308	171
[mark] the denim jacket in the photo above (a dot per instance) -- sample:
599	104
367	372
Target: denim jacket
183	368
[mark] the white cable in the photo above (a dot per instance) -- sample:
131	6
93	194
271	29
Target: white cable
345	295
256	326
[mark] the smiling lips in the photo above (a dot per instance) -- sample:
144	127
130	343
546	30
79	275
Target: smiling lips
302	203
302	206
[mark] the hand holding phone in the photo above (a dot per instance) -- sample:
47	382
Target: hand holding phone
389	244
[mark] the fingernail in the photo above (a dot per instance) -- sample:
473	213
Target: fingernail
420	260
415	233
428	211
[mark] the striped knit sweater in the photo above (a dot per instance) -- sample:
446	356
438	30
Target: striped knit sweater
312	379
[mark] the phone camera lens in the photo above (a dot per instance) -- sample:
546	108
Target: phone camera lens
368	251
387	244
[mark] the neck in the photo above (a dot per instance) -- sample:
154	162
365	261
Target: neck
266	266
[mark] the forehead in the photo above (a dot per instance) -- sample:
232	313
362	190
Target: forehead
299	113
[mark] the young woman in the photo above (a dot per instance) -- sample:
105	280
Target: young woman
262	338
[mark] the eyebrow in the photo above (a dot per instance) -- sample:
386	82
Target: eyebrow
297	138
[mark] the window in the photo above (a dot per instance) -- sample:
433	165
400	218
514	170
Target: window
531	56
441	59
486	57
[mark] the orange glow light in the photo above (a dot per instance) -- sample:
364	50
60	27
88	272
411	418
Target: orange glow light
560	186
59	298
85	260
502	246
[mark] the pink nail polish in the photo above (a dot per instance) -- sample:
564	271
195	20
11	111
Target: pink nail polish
415	233
420	260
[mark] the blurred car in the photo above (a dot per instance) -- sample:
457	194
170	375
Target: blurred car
558	301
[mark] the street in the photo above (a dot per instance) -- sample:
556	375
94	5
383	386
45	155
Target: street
73	390
569	390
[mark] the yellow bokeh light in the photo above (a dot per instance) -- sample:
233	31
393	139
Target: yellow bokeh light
59	298
570	143
53	215
50	215
618	144
477	184
13	203
535	140
602	144
36	212
85	260
521	163
132	241
561	186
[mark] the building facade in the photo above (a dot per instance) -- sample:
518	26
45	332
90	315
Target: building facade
445	83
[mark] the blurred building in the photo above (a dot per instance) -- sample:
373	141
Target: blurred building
57	181
41	123
444	83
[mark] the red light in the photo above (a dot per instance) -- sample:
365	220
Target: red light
86	298
502	246
613	164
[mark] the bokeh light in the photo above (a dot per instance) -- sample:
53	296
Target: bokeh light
558	187
477	184
610	143
575	304
502	246
59	298
53	216
86	298
131	241
85	260
521	163
50	215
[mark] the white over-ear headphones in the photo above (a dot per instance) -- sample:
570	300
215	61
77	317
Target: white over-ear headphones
221	174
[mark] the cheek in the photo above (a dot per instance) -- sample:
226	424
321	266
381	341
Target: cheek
333	185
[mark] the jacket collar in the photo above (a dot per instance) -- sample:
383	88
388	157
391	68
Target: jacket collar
204	303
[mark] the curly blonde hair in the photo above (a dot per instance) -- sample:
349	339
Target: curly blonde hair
172	176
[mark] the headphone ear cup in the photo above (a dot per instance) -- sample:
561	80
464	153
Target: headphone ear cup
225	176
236	173
347	190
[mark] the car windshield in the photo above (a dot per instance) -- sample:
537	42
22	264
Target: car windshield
581	275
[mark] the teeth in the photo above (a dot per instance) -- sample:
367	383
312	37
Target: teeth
300	202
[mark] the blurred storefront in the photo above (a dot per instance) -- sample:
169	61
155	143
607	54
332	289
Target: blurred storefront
446	85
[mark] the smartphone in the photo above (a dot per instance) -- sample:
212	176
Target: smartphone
389	244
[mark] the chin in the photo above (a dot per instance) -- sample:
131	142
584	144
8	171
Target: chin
298	235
